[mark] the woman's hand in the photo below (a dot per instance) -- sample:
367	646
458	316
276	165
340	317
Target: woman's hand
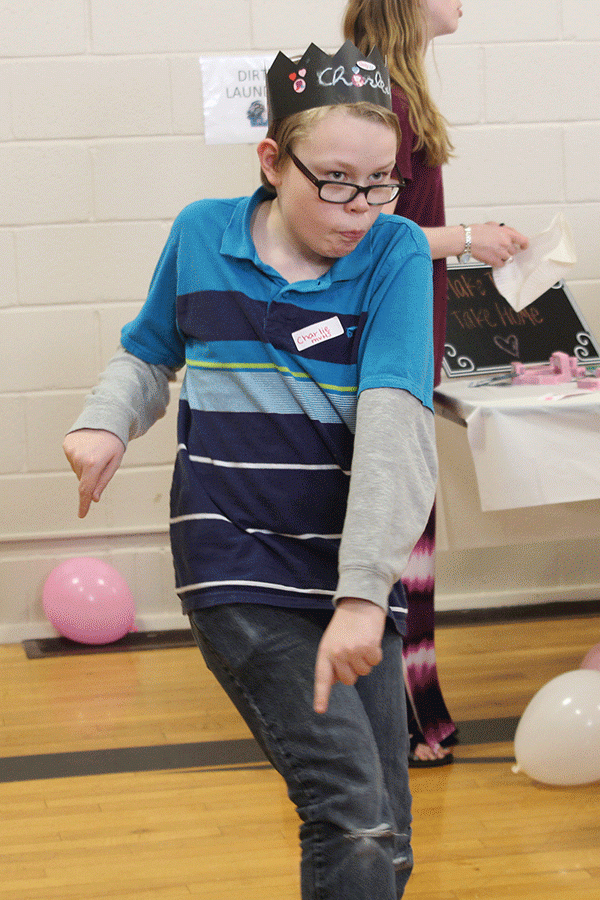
350	647
495	244
95	456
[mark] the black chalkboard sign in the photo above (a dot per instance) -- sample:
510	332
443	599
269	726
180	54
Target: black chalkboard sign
484	334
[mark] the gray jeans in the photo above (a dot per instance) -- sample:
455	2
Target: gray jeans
346	771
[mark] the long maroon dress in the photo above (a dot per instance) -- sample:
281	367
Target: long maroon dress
422	200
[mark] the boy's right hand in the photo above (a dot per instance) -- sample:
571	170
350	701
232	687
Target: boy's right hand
95	456
349	648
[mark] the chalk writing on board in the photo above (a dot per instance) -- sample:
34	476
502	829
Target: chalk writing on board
508	344
485	334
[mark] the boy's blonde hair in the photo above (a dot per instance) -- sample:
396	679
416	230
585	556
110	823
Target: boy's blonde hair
293	128
398	29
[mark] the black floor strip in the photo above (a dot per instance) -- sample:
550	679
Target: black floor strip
39	648
487	731
534	612
471	760
206	754
131	759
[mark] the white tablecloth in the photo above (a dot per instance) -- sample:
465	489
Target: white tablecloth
531	444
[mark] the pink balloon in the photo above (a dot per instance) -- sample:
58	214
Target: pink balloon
591	660
88	601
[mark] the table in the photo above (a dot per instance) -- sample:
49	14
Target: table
531	444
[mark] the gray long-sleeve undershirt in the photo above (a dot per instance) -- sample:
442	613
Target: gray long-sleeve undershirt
394	467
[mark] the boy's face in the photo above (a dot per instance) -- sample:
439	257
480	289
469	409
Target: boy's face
343	148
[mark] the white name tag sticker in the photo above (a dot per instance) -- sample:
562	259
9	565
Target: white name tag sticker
317	333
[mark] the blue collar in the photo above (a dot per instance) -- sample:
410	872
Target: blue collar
237	242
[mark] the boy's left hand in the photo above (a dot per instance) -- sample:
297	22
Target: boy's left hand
350	647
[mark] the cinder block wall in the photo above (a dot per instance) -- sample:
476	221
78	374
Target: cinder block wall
101	146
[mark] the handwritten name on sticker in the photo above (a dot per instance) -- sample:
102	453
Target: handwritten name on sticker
317	333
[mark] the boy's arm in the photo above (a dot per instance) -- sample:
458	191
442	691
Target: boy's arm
392	489
130	397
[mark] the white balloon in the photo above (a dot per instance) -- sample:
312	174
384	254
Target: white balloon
557	740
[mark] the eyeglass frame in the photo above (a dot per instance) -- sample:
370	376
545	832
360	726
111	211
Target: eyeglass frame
319	183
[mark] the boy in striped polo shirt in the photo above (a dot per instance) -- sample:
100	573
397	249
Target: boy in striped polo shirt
306	464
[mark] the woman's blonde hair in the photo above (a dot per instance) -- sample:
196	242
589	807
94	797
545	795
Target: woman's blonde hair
398	29
293	128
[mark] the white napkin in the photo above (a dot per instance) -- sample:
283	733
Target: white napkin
532	272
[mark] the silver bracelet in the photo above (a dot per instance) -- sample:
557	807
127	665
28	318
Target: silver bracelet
465	256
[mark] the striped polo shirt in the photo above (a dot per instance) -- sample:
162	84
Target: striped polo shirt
268	402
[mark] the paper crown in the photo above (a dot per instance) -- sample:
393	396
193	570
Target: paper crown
319	79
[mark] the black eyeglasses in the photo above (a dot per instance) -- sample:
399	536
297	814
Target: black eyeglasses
343	192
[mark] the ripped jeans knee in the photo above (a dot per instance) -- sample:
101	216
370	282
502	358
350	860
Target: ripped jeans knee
368	839
354	864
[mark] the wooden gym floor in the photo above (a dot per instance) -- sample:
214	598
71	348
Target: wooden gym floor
128	775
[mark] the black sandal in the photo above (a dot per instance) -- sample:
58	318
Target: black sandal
415	763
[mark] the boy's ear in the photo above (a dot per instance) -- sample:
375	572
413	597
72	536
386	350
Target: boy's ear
267	152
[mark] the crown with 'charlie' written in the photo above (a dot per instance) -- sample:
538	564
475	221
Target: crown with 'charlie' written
318	79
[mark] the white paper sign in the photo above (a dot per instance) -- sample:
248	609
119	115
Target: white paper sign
235	98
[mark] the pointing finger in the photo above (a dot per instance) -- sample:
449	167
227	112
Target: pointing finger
324	681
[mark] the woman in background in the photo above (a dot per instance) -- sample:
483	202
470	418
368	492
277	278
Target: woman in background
402	30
